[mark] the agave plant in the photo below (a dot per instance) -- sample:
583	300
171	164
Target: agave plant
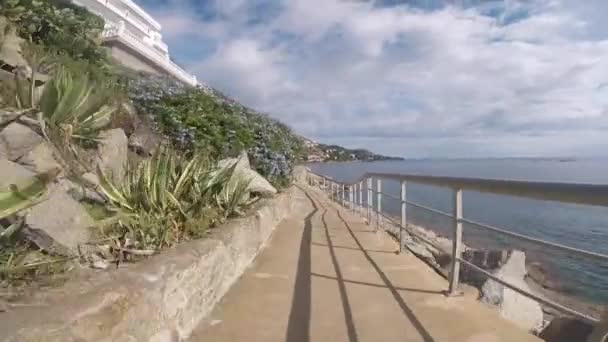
74	105
40	60
19	197
162	197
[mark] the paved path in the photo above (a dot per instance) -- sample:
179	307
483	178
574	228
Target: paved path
326	276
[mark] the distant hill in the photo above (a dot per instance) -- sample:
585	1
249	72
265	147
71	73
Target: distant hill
317	152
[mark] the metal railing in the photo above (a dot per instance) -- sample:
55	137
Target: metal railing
561	192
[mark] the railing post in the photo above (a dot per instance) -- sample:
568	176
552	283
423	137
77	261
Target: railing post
343	197
369	201
403	215
456	244
361	198
378	202
351	198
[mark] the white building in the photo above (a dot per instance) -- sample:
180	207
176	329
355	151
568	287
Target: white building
134	38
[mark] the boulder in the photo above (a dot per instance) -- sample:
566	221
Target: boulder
58	224
521	310
91	179
111	155
7	116
40	159
144	141
566	329
10	49
13	173
81	192
17	140
489	260
258	184
539	274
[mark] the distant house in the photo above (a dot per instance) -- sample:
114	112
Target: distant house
134	38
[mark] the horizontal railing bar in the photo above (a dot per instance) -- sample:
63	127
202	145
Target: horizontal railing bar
387	217
391	196
580	193
412	232
579	252
530	295
429	209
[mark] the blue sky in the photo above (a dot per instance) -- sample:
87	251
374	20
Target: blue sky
418	78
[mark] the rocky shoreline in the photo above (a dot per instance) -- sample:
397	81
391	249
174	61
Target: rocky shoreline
530	275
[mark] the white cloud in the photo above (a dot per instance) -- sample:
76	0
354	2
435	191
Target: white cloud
428	83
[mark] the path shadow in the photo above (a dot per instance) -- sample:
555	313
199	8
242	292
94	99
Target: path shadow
426	336
348	314
355	249
406	289
298	326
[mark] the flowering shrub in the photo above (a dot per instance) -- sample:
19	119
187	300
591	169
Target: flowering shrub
204	119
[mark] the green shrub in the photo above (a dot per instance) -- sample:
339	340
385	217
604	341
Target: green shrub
205	119
58	25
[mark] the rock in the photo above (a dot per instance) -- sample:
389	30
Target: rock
524	312
258	184
489	260
144	141
13	173
539	274
17	140
10	49
566	329
112	154
80	192
8	116
419	249
40	159
59	224
91	179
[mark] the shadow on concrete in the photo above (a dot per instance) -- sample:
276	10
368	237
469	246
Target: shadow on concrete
348	314
298	326
426	336
356	249
406	289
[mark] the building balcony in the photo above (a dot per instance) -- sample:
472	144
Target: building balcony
158	58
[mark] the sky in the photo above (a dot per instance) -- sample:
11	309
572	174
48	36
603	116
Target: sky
417	78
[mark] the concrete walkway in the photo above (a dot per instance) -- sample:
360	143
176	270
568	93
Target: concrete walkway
326	276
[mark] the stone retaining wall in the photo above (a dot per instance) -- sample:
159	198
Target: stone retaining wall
160	299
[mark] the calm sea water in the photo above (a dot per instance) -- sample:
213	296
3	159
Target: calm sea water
577	226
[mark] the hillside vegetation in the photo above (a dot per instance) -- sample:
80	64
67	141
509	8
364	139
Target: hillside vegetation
75	129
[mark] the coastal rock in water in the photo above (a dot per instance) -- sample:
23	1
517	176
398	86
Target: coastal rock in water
489	260
519	309
112	154
258	184
420	249
17	140
539	274
58	224
40	159
566	329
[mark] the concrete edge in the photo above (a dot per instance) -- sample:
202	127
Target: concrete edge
160	299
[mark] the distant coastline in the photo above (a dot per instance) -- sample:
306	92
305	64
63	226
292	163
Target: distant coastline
319	153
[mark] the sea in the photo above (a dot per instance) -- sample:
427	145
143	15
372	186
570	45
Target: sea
579	226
